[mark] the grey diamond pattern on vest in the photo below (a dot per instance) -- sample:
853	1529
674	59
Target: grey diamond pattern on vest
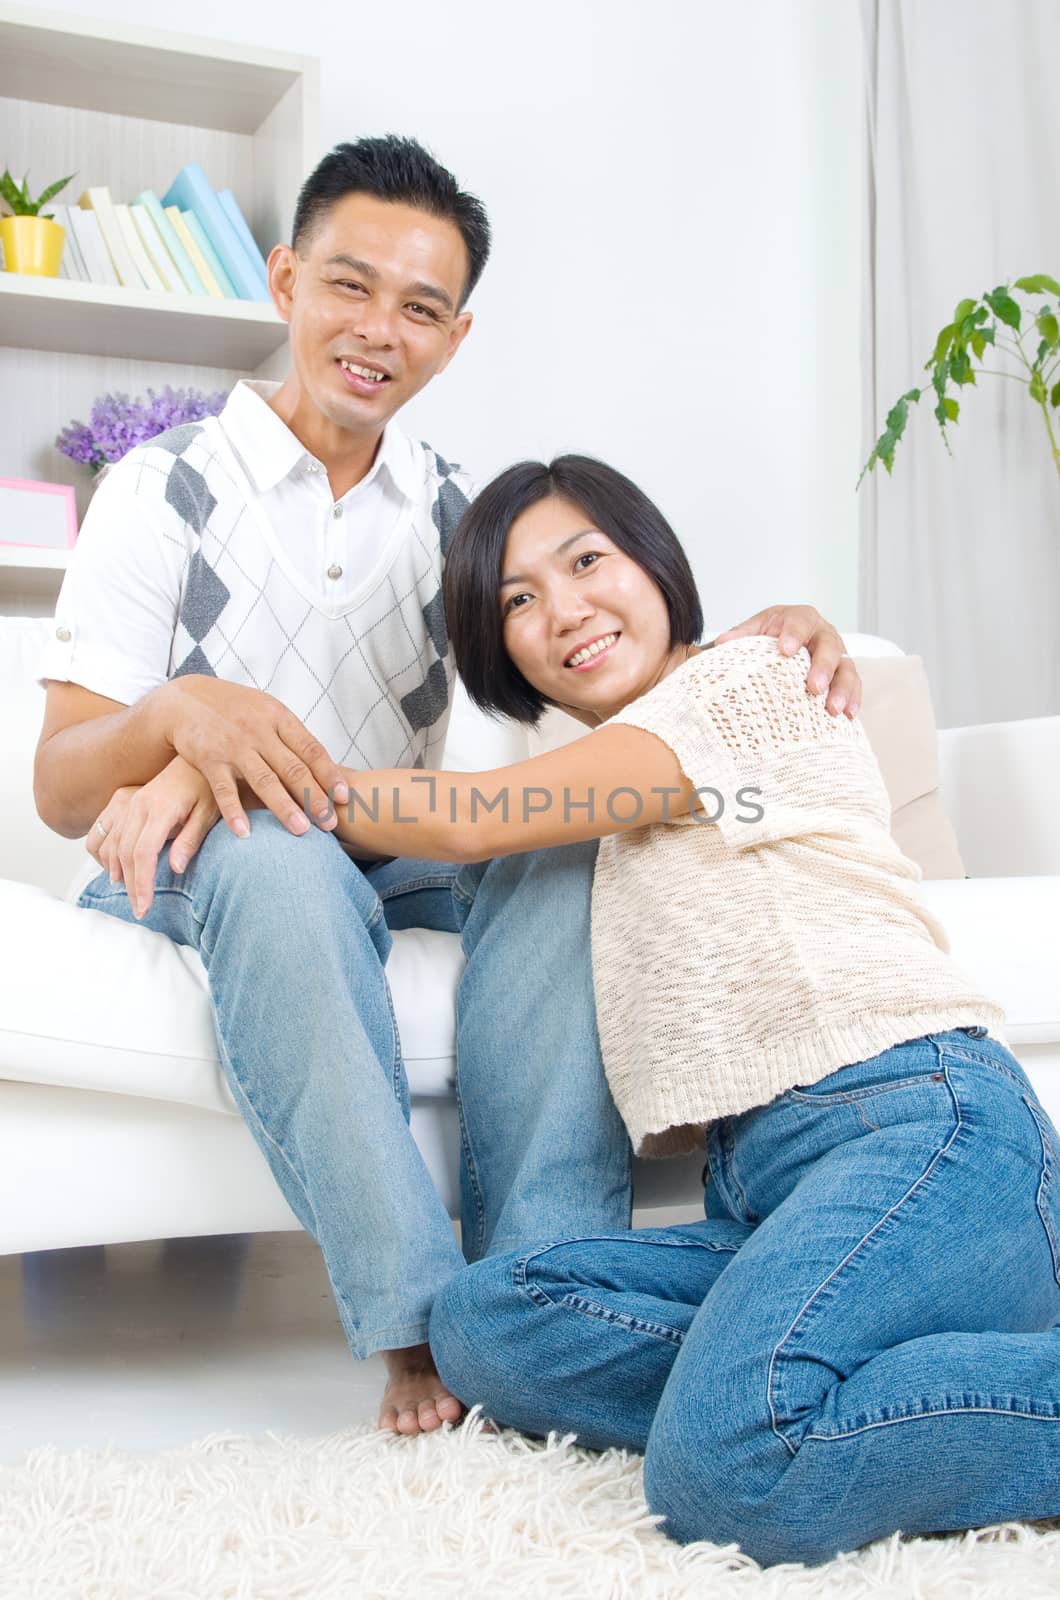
205	597
434	618
195	662
447	511
425	704
176	440
187	493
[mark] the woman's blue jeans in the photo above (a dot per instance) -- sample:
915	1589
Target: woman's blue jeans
861	1336
294	937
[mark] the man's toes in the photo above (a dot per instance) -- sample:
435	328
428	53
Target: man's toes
429	1418
388	1419
449	1408
408	1421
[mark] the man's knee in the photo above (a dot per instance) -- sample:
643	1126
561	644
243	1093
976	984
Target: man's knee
272	861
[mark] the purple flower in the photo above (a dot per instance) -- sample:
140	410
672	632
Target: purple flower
118	424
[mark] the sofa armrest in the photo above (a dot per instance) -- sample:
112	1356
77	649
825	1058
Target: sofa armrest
999	784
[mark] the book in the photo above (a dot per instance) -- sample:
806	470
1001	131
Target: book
198	233
94	253
181	260
159	256
198	260
142	261
239	223
191	191
98	199
72	265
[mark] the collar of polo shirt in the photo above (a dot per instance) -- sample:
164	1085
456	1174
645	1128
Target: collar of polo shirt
270	451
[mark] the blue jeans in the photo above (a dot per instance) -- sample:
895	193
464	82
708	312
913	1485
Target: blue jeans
861	1336
294	937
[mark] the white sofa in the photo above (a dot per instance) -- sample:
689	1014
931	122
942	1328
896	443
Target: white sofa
116	1122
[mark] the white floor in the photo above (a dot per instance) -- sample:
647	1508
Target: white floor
149	1345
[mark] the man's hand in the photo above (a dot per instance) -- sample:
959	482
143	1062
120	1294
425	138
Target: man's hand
831	668
178	805
231	733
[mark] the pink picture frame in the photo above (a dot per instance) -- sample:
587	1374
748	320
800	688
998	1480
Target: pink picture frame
50	522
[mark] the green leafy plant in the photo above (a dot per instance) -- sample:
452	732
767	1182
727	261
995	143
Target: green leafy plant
995	322
19	200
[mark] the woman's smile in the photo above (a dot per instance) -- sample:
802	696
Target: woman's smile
585	657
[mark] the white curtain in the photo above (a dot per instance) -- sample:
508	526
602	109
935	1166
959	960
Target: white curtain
960	558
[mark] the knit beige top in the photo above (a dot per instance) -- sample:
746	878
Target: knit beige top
734	959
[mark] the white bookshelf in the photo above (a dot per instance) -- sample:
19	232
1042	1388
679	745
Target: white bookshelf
30	579
128	107
140	324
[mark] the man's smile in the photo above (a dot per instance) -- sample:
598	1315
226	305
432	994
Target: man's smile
363	377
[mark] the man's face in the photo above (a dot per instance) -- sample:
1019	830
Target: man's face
371	300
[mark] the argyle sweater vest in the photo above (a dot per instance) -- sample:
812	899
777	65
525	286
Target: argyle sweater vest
371	680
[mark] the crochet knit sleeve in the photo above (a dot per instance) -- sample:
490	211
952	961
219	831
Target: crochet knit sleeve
769	760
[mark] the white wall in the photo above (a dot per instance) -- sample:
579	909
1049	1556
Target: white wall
675	195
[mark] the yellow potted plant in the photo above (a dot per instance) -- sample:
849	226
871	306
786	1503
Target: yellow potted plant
32	242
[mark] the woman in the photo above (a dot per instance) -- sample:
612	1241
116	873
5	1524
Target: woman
859	1336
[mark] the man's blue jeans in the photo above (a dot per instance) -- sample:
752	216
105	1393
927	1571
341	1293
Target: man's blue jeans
861	1336
294	937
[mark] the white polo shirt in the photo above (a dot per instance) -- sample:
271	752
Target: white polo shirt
217	548
334	543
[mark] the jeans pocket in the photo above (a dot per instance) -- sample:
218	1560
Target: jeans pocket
1046	1197
826	1094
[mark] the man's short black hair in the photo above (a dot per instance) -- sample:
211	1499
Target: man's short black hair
474	568
392	168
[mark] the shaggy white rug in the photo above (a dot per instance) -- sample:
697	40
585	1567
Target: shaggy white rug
359	1515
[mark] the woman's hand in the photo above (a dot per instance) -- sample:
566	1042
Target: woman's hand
831	668
128	836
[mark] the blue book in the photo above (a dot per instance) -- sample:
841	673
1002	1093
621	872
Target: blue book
213	261
191	191
181	259
239	223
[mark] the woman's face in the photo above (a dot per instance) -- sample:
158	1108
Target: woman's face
585	625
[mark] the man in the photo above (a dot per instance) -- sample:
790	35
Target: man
254	601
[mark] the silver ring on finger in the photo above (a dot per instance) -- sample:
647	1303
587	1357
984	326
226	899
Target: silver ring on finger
100	829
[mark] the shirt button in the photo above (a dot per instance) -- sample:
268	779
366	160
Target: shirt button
335	571
336	511
63	634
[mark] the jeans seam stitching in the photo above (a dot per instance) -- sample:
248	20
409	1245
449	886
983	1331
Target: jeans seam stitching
622	1319
411	886
778	1350
474	1183
1044	1182
926	1416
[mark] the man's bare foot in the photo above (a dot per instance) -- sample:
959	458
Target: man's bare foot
415	1399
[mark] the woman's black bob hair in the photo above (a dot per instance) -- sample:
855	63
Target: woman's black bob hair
473	570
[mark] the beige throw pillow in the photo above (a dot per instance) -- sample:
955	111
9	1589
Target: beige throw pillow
900	722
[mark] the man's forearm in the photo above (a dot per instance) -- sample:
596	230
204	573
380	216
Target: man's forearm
79	768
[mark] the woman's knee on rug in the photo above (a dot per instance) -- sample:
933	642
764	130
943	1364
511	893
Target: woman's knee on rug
704	1492
478	1331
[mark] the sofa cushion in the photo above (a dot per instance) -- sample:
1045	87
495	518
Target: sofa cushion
899	720
1005	932
28	850
89	1002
